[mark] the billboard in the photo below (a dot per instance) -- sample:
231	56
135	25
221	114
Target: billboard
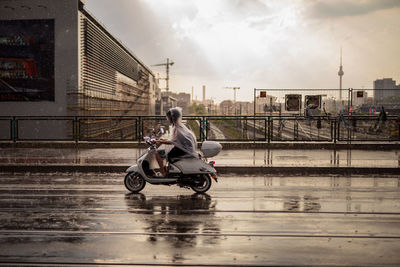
27	60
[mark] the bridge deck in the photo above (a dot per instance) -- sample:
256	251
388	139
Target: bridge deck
86	219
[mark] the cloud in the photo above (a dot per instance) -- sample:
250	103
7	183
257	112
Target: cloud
258	43
248	7
343	8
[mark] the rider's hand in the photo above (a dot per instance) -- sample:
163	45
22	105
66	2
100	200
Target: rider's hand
161	141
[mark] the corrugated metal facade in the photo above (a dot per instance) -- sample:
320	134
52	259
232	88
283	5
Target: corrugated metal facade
111	82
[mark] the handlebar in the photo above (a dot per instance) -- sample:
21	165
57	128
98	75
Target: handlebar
148	140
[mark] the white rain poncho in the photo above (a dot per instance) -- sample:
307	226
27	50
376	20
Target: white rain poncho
181	137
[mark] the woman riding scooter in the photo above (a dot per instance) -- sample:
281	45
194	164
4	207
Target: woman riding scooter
182	138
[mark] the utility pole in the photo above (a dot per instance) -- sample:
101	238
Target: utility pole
167	67
234	96
234	92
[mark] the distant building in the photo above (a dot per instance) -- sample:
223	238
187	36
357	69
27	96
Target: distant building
209	106
226	107
183	100
245	108
384	88
265	104
167	102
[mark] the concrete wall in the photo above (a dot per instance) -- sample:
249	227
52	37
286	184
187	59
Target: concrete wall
65	15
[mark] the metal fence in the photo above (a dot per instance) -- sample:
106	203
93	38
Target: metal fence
220	128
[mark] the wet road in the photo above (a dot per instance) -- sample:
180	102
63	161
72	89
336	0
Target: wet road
90	219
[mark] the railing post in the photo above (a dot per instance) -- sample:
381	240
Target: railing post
136	128
140	129
13	130
203	126
207	128
254	128
78	128
201	129
265	129
75	129
335	130
269	129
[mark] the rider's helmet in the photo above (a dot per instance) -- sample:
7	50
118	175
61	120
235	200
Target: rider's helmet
174	114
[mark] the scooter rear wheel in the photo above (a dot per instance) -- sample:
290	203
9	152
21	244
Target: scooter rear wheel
201	184
134	182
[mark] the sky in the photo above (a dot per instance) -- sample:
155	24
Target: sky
258	43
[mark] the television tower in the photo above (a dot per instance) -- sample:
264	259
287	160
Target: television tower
340	73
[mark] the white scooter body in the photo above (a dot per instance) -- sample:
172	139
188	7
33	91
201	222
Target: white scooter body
185	166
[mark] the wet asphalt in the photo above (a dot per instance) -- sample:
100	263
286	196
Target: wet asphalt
85	219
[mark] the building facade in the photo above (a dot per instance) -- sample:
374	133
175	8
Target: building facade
57	59
384	88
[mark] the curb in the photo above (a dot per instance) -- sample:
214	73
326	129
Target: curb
297	171
240	170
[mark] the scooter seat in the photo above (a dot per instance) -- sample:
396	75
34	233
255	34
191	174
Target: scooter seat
173	160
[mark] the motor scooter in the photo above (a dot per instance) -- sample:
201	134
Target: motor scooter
189	172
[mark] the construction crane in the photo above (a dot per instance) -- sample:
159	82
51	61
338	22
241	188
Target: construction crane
167	66
234	92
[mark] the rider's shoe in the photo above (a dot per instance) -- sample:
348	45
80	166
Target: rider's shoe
159	175
164	171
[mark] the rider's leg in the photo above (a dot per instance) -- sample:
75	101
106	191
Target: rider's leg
160	161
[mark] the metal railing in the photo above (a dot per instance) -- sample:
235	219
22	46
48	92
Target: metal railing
219	128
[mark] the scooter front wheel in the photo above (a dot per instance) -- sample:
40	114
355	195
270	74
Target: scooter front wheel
134	182
201	184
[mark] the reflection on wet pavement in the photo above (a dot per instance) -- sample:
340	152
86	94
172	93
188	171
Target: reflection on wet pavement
267	220
306	204
166	217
